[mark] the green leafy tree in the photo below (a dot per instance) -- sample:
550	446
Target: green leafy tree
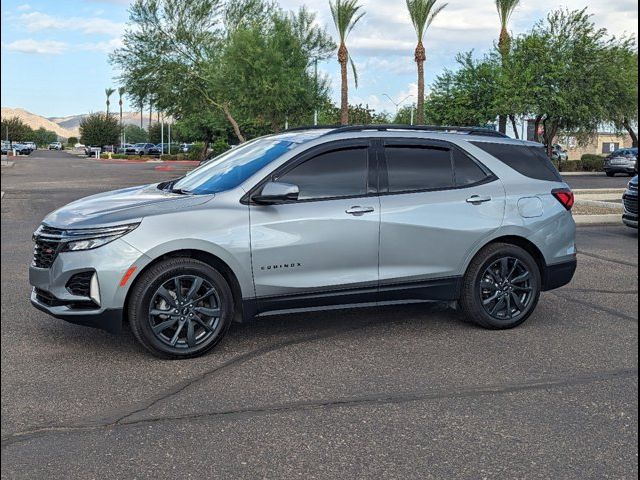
15	130
155	133
559	67
622	78
135	134
422	13
346	15
99	129
43	137
465	97
71	141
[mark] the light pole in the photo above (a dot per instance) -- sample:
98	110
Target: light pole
315	100
398	104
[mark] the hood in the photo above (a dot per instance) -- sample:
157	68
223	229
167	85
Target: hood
127	205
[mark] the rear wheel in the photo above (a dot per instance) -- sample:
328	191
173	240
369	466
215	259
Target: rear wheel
180	308
501	287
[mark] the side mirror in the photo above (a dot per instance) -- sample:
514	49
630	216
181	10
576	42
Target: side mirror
275	192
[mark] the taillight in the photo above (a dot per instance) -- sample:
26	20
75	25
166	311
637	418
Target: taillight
565	196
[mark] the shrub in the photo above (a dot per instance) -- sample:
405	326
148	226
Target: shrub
219	147
195	152
168	158
592	163
569	166
71	141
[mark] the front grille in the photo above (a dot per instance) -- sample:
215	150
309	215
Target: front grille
47	246
633	188
80	284
50	300
631	205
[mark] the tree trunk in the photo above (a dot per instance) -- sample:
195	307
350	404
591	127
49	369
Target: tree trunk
514	126
504	46
121	129
343	58
420	58
632	133
502	124
550	132
234	124
141	114
150	115
536	129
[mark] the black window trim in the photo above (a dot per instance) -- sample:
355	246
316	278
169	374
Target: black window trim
427	143
373	160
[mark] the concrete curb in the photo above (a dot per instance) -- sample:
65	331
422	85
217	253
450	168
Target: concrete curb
598	203
580	174
611	219
6	164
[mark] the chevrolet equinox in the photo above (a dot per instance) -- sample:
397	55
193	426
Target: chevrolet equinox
308	219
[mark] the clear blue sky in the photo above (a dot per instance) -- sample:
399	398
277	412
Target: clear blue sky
54	53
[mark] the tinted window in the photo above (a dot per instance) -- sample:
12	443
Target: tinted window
531	162
414	168
340	173
467	171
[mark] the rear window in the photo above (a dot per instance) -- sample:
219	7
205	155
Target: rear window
531	162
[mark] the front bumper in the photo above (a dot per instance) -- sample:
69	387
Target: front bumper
109	320
630	217
620	168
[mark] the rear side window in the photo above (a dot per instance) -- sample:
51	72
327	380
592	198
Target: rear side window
335	174
467	171
531	162
414	168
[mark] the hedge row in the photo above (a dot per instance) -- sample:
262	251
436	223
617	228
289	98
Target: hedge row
588	163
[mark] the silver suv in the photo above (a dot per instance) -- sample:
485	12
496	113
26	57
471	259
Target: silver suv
308	219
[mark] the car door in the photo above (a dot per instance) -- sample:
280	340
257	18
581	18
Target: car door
323	248
437	204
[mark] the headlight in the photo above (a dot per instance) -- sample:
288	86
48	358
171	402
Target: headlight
88	239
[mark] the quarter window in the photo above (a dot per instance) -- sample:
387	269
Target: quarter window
414	168
335	174
468	172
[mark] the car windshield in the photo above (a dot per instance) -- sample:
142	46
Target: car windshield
234	167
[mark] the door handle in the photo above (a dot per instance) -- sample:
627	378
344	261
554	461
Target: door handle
359	211
477	200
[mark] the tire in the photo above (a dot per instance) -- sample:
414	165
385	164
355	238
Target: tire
188	330
482	283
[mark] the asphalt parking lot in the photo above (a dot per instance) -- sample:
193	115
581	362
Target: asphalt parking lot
396	392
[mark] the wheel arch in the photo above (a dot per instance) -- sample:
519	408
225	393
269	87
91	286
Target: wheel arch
207	257
524	243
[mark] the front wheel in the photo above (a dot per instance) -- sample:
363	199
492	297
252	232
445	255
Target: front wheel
180	308
501	287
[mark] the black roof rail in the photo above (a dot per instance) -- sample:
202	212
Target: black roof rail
487	132
311	127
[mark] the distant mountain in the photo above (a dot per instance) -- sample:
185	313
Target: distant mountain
129	118
66	127
36	121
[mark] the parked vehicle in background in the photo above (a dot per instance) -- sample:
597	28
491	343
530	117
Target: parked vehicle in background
6	147
31	145
143	149
124	147
55	146
621	161
91	151
166	148
22	149
185	147
314	219
559	154
630	201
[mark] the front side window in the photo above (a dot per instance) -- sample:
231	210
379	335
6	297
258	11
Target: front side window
415	168
234	167
335	174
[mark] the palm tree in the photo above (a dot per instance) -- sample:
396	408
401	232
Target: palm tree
121	91
505	10
108	92
422	13
346	14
